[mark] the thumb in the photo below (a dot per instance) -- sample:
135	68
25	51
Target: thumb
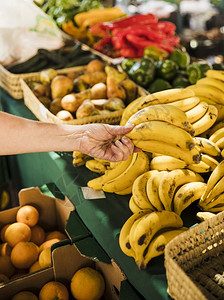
120	130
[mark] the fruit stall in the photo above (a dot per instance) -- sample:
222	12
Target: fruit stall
150	227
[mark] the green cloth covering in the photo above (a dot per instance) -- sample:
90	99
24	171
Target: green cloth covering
103	217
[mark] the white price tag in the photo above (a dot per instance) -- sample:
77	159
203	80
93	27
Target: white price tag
89	193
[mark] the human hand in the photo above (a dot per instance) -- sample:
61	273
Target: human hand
101	141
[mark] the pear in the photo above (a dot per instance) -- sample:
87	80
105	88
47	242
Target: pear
114	104
61	85
86	109
55	106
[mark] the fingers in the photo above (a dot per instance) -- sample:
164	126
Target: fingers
125	147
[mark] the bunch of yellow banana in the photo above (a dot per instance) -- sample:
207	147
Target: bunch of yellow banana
97	165
164	129
162	97
79	158
145	234
159	190
213	197
121	176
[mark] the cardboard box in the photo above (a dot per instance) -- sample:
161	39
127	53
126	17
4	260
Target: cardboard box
66	260
54	215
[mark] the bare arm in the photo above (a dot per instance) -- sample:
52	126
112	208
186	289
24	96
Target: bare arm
19	135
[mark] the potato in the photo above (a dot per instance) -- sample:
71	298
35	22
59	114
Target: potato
95	66
64	115
99	91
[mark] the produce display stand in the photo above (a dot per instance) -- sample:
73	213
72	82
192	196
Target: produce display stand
103	217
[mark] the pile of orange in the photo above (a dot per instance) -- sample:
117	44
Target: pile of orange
25	245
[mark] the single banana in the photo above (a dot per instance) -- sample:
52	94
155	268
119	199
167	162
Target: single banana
202	167
166	163
165	96
218	200
214	128
187	193
220	143
210	161
126	191
133	206
147	227
157	245
163	132
215	176
207	146
103	161
217	135
171	181
95	166
130	110
139	190
197	112
152	187
78	162
162	112
125	230
219	106
186	104
216	209
216	74
222	153
212	81
138	165
189	156
207	91
206	121
119	168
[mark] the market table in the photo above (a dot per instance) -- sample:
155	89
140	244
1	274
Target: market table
104	217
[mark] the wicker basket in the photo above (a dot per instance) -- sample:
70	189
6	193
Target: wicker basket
194	262
11	82
43	114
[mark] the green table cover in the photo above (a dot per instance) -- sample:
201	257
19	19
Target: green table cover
103	217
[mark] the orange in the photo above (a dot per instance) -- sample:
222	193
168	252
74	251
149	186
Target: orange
35	267
25	295
56	235
87	284
3	232
48	244
6	266
28	215
45	258
54	290
24	254
3	278
37	235
16	233
5	249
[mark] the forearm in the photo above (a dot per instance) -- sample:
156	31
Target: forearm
18	135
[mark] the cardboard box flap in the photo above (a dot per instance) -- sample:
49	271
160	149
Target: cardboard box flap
75	228
51	214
